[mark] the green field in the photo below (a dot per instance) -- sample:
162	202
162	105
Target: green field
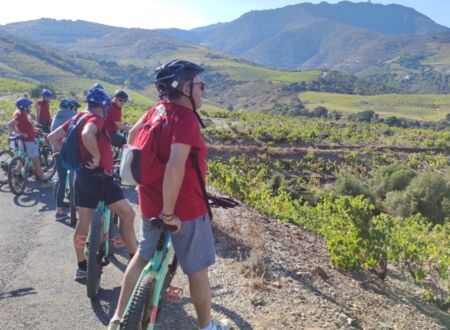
245	72
414	106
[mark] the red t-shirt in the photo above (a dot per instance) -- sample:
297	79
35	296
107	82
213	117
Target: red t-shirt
103	141
45	110
114	114
24	125
190	202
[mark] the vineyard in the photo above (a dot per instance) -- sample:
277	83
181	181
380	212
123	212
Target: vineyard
378	195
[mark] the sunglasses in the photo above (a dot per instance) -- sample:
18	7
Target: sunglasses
201	84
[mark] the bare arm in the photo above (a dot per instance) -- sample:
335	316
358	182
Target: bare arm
38	112
174	175
89	137
56	137
133	131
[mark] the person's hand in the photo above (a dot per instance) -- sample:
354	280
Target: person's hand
174	221
24	135
93	163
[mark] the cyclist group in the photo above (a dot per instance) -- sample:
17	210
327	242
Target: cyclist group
177	197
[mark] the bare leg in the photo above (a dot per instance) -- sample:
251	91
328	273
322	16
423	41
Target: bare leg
130	278
81	231
126	214
38	169
201	296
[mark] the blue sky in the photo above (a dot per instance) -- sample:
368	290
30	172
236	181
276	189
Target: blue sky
184	14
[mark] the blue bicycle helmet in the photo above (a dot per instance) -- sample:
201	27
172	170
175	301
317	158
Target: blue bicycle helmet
22	103
98	97
65	103
96	85
46	92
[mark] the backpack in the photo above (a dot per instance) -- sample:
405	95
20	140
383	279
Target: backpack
141	163
70	149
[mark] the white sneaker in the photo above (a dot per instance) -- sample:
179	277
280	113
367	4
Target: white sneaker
220	325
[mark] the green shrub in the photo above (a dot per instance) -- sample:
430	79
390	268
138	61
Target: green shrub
350	185
389	178
429	195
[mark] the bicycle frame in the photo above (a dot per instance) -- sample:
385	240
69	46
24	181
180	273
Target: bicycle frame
158	268
106	216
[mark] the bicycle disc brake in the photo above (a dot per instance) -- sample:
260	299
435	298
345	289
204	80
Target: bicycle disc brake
173	294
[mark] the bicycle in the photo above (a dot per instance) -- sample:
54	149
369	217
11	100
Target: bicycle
46	155
5	158
99	247
117	156
20	167
154	282
153	285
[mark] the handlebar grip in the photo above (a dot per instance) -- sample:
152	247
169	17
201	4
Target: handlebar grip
158	223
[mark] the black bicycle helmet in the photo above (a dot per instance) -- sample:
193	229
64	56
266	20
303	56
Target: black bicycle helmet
170	78
173	74
121	94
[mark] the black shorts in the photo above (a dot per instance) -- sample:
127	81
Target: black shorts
92	186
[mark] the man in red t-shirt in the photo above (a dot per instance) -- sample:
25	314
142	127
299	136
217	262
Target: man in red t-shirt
20	124
113	122
43	111
94	181
176	197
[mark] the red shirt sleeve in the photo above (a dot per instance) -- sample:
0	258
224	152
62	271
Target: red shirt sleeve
187	130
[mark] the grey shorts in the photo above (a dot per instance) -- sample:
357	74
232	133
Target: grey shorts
193	245
32	149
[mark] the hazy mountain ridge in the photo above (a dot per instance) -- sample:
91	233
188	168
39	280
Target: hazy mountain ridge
306	36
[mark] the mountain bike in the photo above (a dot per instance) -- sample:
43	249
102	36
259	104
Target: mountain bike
99	247
46	155
20	167
153	284
117	156
5	158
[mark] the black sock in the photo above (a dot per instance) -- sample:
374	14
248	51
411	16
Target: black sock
83	265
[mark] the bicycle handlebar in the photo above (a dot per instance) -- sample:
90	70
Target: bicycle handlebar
158	223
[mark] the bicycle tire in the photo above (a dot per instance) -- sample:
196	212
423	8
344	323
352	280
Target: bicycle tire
134	319
17	175
5	158
72	207
48	163
55	190
94	257
167	280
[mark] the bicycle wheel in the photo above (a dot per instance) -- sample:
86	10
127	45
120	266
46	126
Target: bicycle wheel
5	158
48	163
134	319
169	276
17	175
94	257
73	208
55	190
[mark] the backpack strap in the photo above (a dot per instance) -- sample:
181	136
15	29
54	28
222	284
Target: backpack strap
202	183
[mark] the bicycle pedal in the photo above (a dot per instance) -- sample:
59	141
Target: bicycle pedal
173	294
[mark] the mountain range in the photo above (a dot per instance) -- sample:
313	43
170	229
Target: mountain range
353	48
